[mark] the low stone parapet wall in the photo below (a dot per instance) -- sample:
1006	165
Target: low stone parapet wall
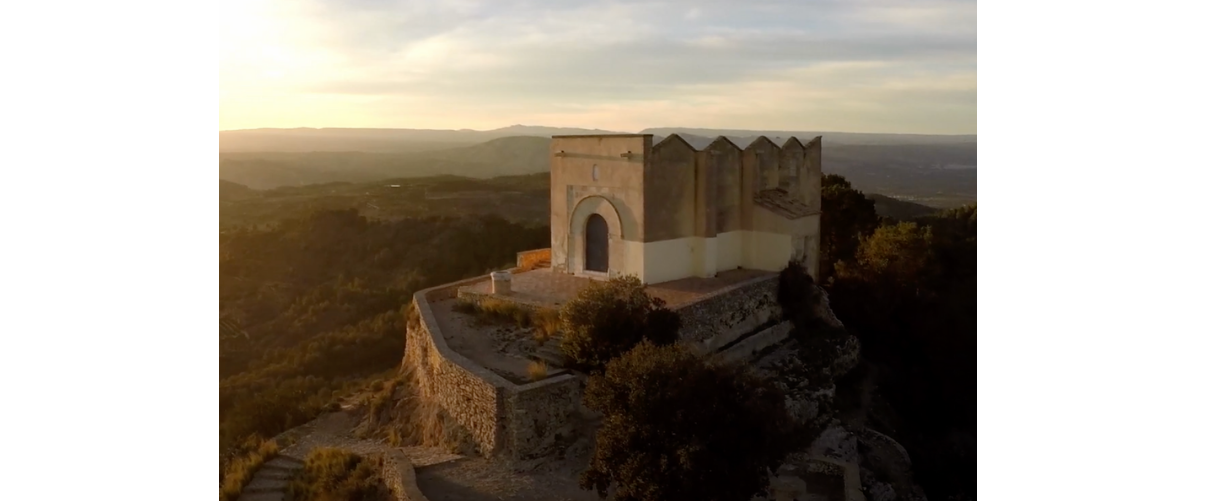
528	260
398	473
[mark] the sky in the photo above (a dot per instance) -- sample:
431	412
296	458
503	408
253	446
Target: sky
827	65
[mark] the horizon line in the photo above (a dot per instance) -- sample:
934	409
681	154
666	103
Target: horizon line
601	130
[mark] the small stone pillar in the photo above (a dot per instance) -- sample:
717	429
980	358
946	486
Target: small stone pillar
500	282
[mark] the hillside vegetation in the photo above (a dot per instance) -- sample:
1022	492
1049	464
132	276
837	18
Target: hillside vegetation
517	198
907	289
499	157
314	294
313	304
938	175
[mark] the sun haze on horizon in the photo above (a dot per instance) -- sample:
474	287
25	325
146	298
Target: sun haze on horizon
835	65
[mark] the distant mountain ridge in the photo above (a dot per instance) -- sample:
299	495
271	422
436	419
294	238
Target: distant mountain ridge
744	137
375	140
937	175
416	140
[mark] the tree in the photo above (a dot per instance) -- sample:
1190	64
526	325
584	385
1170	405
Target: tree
900	253
911	296
608	318
847	216
678	427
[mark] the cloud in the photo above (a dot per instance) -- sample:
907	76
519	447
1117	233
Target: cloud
858	65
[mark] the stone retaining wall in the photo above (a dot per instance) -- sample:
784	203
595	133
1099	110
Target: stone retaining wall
471	395
503	418
768	337
525	421
542	414
729	313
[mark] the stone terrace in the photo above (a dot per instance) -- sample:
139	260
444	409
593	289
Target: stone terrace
544	287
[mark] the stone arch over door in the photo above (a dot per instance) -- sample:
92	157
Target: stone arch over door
578	229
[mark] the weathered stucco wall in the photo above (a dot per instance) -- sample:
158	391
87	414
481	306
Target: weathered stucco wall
760	159
619	161
683	200
726	159
669	183
791	170
618	246
671	259
812	181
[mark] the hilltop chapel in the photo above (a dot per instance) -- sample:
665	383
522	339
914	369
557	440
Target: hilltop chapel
622	205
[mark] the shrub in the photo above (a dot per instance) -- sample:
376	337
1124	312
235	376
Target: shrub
537	370
608	318
496	311
547	323
399	415
795	288
333	474
677	427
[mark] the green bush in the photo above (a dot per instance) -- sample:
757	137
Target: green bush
608	318
677	427
314	307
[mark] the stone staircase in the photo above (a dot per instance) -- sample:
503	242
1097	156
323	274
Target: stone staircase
271	481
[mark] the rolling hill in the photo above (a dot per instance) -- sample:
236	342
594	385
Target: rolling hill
938	175
304	140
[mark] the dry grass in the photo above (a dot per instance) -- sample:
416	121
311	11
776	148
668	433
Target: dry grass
254	453
400	415
537	370
330	474
547	322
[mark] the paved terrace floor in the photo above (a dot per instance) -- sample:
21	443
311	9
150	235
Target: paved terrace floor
555	289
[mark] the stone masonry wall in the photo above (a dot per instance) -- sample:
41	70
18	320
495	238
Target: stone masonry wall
766	338
725	315
469	393
542	414
398	473
502	417
528	421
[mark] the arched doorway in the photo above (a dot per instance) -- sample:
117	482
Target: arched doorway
596	243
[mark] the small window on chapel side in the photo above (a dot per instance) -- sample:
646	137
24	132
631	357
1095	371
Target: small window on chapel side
594	173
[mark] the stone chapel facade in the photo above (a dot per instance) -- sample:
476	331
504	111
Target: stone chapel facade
622	205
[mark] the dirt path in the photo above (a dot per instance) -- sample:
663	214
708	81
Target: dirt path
476	479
